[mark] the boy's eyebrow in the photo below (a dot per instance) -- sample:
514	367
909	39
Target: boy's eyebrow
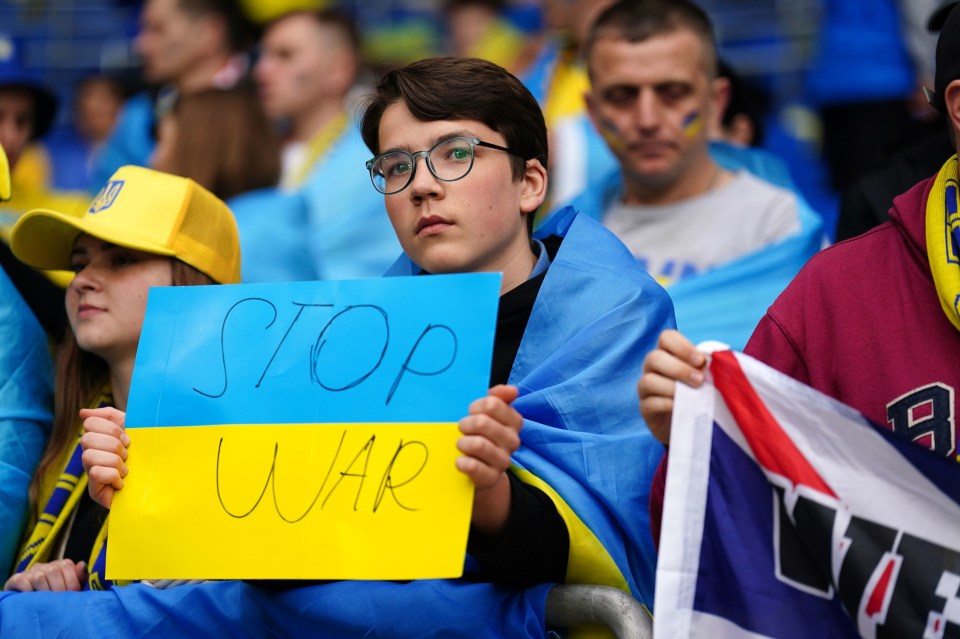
433	142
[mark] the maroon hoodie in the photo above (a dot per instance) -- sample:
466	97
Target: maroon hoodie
862	323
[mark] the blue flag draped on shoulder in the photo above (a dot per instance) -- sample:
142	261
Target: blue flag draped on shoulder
788	515
26	380
727	302
583	441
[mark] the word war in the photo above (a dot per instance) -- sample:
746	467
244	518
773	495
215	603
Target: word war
373	481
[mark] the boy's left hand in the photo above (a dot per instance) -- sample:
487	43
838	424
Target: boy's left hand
491	434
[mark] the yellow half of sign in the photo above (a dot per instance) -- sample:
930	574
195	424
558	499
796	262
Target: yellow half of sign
291	501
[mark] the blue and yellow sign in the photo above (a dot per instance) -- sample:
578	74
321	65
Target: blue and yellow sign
303	430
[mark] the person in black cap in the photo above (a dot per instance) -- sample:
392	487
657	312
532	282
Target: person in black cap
874	321
866	202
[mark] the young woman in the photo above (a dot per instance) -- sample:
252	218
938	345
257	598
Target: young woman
140	231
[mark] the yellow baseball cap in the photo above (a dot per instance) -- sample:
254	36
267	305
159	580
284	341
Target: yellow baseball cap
141	209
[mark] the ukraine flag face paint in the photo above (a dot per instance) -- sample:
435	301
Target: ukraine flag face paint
692	125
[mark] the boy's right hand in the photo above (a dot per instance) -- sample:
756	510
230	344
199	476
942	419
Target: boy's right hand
104	445
675	359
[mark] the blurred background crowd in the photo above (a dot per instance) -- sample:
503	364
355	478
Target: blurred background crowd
803	70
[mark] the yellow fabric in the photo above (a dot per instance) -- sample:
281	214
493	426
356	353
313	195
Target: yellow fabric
264	11
4	176
942	222
25	199
588	561
318	145
570	82
141	209
33	169
500	44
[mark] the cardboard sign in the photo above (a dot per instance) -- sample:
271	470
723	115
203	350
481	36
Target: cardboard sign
303	430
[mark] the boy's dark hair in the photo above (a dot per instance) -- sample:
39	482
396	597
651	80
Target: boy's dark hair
640	20
462	89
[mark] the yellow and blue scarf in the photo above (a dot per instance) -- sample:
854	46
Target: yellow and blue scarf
943	239
60	504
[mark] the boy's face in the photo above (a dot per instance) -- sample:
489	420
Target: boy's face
475	224
651	101
16	122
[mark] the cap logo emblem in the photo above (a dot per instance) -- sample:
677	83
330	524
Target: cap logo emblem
106	197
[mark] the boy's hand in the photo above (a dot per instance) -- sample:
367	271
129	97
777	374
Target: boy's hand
491	434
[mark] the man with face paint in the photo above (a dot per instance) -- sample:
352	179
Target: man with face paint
185	45
873	321
653	70
307	67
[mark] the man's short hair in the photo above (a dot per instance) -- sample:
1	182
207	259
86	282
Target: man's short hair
342	23
462	89
639	20
240	33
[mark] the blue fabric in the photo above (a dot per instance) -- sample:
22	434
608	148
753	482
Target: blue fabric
345	609
273	244
539	75
764	164
348	229
596	317
131	141
71	159
861	55
25	400
726	303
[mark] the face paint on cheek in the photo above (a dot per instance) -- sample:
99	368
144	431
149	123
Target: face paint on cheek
611	134
692	125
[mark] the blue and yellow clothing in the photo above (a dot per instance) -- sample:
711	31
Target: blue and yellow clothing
596	316
61	491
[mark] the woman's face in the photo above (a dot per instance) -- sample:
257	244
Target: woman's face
107	298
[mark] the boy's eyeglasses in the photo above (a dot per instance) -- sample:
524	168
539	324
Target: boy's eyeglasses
449	160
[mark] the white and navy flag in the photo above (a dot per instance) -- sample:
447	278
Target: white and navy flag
788	514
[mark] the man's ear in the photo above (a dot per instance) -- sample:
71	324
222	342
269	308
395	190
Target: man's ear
951	98
534	188
212	32
720	100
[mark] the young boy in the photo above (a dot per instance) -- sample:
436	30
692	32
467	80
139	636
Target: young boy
575	311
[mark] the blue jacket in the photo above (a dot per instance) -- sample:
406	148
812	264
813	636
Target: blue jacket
26	392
